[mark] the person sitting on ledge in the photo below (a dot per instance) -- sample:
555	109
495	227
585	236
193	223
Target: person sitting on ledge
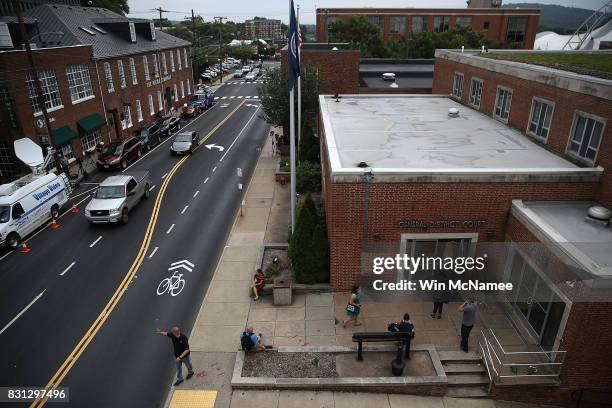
249	341
258	283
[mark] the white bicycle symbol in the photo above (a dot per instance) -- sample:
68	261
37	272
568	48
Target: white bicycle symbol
173	285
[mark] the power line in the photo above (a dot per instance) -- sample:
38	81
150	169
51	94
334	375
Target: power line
161	10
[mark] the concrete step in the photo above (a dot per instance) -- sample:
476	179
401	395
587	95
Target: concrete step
467	379
453	356
455	368
467	392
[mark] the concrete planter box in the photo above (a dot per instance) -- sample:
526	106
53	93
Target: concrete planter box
282	176
281	291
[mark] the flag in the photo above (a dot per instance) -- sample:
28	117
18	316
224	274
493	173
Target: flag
293	45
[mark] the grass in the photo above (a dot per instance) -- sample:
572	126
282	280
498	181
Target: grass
591	62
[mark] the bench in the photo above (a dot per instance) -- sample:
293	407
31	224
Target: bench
379	337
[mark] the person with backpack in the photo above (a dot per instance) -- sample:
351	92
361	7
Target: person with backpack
405	326
249	341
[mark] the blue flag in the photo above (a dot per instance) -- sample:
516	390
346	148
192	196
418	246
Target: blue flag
293	42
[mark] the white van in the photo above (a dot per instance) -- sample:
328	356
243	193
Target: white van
28	203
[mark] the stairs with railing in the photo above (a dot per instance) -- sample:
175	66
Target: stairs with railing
466	374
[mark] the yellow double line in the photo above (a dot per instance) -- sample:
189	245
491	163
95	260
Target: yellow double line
112	302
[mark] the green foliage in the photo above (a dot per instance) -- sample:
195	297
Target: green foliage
243	52
308	150
118	6
308	245
360	34
308	177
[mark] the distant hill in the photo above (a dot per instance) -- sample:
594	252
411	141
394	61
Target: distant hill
553	16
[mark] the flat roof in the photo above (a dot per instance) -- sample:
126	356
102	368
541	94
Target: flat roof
586	243
409	136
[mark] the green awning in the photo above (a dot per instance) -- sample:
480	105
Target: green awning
90	123
62	136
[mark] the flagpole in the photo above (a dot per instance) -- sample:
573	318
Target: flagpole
292	137
299	86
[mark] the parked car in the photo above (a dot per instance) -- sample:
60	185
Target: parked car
238	73
148	134
246	69
204	99
116	196
169	125
206	77
190	110
184	143
250	76
119	154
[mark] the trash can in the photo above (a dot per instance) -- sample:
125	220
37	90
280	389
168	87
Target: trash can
281	291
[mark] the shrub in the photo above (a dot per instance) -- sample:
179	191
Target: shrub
308	178
308	150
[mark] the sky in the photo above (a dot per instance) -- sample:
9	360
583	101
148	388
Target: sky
240	10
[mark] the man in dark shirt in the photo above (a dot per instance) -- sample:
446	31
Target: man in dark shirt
181	352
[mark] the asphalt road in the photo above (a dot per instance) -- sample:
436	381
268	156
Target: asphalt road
81	309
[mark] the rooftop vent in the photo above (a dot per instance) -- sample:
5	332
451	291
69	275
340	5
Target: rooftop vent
453	113
600	215
363	165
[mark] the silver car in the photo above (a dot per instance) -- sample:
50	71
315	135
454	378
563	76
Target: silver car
116	196
184	143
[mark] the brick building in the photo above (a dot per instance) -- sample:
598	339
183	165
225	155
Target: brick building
125	72
499	25
264	29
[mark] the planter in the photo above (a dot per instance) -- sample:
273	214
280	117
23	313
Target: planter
281	291
282	176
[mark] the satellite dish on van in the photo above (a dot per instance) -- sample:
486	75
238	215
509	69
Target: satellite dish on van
29	152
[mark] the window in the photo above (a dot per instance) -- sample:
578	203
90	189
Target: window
5	36
79	82
151	106
133	71
502	103
49	89
178	57
419	23
122	81
172	61
7	166
175	91
377	21
182	89
586	136
127	117
463	21
164	63
18	211
458	85
66	151
486	26
540	118
160	100
475	92
441	23
109	77
155	65
145	65
517	26
186	58
188	87
90	140
138	110
398	24
132	32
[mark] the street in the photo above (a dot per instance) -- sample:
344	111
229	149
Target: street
81	309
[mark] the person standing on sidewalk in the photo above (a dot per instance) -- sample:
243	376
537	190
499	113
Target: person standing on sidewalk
181	352
468	308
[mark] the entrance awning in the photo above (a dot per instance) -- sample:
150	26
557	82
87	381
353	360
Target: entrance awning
90	123
62	136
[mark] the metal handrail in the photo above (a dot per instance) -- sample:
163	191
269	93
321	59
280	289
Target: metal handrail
522	352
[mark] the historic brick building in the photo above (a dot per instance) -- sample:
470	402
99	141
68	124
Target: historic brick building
506	26
264	29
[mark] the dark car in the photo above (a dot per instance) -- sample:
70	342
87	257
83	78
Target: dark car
119	154
148	134
191	110
184	143
168	125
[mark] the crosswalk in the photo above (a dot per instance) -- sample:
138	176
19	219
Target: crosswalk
236	97
244	82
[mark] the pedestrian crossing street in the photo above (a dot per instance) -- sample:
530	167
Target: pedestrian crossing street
244	82
236	97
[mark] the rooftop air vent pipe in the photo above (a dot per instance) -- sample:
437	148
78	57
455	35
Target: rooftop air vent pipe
453	112
599	214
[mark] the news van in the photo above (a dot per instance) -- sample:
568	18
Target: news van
28	203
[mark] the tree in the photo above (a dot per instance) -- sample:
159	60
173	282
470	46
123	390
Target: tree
308	178
243	52
118	6
320	247
361	35
308	150
300	245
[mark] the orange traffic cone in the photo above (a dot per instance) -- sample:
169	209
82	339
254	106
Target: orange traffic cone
54	224
74	209
24	248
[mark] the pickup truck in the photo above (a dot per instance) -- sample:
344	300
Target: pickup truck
116	196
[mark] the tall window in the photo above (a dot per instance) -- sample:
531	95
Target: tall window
182	89
441	23
502	103
145	65
178	57
458	85
79	82
49	88
541	116
122	81
377	21
90	140
66	151
188	87
138	110
419	23
586	136
155	65
109	77
186	58
398	24
163	55
151	106
172	68
475	92
517	27
160	100
464	21
133	71
176	98
127	117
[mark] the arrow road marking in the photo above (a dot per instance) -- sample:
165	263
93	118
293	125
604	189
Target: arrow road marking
22	311
210	147
185	261
184	264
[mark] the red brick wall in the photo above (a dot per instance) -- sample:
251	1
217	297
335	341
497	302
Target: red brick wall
523	91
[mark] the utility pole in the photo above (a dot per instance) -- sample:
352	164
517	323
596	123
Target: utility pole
39	94
161	10
220	47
